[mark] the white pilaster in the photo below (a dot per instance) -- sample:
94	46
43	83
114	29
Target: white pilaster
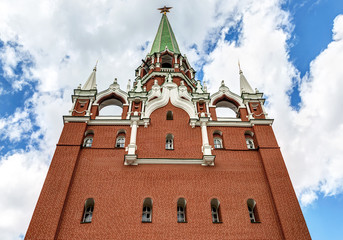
208	158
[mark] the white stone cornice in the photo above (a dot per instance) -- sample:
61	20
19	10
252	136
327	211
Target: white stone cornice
193	121
133	160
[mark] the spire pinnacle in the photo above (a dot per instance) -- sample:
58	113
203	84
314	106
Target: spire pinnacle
239	67
244	84
164	10
91	81
165	37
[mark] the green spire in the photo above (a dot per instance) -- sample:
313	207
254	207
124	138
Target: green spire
164	37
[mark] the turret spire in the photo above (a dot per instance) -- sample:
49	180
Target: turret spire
165	36
244	84
91	82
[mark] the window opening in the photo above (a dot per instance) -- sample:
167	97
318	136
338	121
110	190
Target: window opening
250	143
88	211
169	115
120	143
88	141
169	142
215	211
147	209
252	210
181	210
218	143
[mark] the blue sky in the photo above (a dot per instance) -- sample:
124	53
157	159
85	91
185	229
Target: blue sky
290	50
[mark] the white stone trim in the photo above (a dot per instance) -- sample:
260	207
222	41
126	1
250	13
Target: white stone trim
114	88
133	160
170	91
145	122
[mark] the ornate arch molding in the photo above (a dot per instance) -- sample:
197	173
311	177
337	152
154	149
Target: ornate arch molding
112	95
170	91
224	94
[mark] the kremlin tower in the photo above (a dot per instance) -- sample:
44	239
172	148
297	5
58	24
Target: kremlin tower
168	167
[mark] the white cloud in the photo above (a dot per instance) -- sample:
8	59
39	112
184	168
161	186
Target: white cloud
115	31
21	178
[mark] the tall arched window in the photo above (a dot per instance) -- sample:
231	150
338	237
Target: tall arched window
88	140
120	140
169	142
169	115
88	211
181	210
249	139
252	211
147	210
217	139
215	210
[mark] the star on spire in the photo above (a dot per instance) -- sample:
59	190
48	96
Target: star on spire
164	10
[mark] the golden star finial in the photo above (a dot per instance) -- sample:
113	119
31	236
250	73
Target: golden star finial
164	10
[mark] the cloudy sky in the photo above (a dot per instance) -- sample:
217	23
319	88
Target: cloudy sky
290	50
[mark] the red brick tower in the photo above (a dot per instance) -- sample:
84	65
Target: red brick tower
168	167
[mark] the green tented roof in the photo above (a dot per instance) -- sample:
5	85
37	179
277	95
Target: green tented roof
164	37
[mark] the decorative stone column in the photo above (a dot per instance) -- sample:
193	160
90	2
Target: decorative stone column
131	157
208	158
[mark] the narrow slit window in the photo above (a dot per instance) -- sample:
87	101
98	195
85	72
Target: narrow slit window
253	215
215	211
88	211
147	210
181	210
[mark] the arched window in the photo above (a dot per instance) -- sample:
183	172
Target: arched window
120	140
249	139
217	139
181	210
252	211
88	140
170	142
88	210
169	115
215	210
147	210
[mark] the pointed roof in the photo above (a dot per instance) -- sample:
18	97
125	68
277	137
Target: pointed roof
165	37
91	82
244	84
